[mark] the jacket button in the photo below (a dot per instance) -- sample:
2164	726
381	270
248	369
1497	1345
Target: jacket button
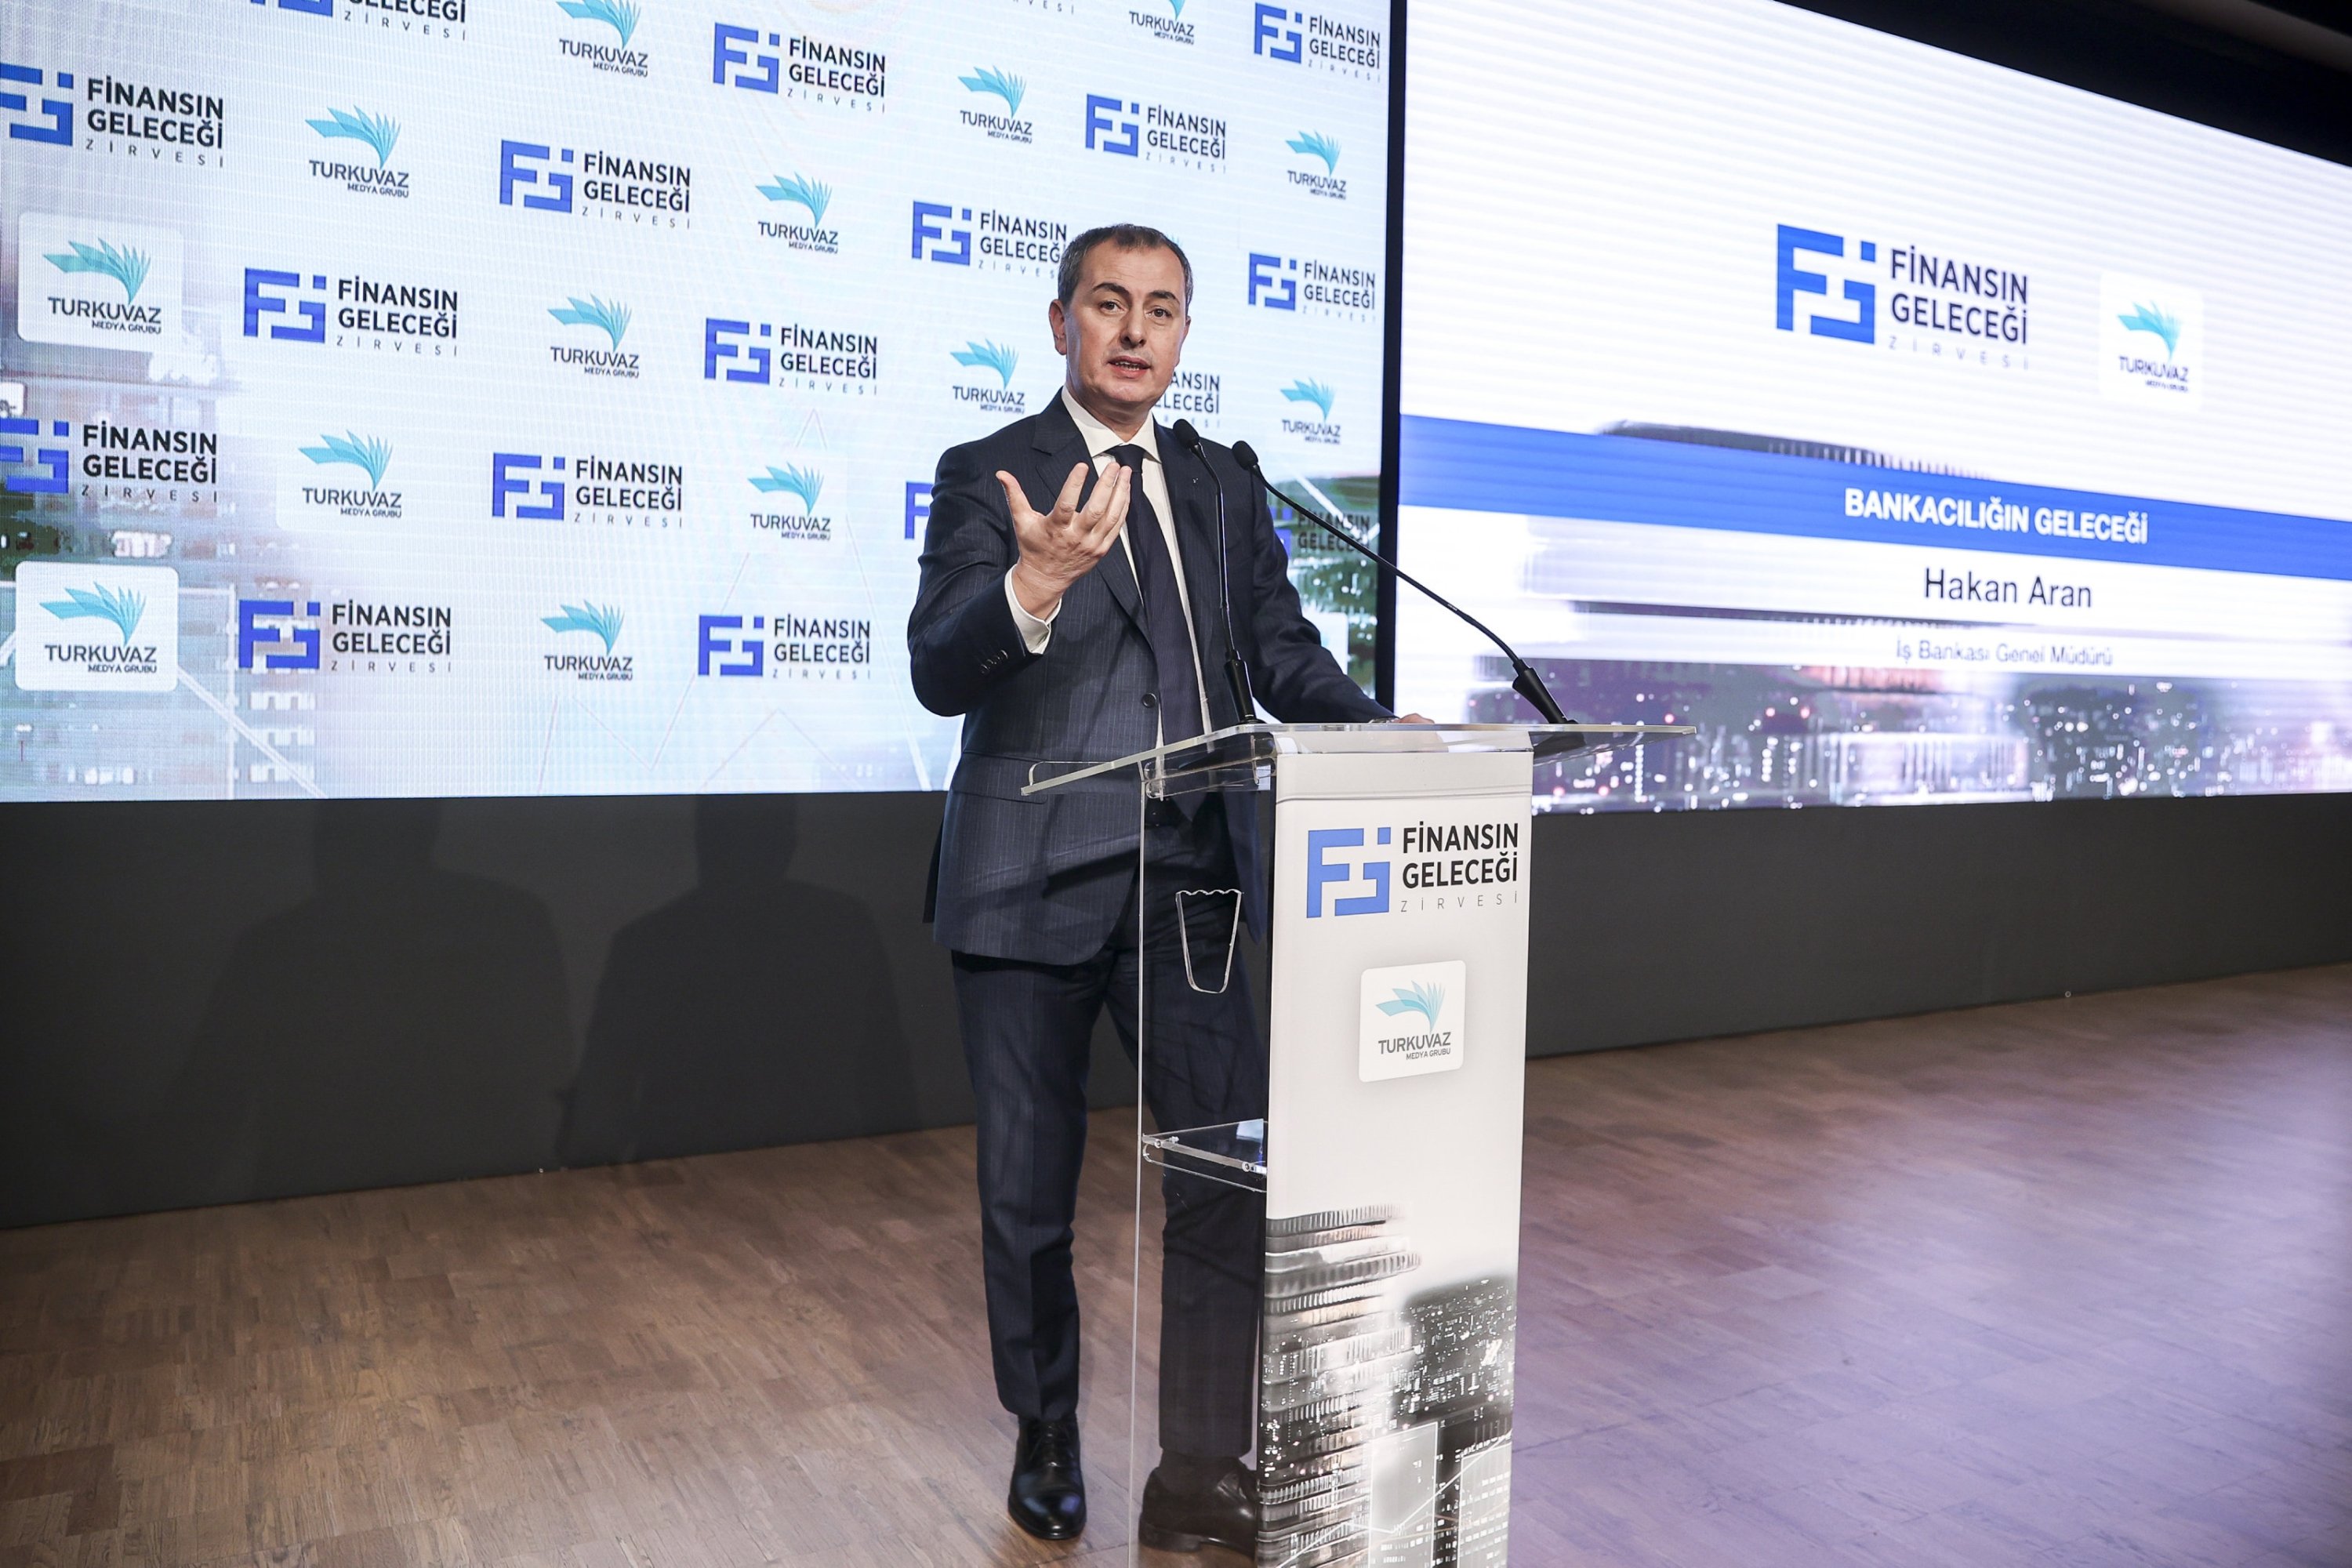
1151	700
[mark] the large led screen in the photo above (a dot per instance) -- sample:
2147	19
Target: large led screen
1919	429
505	396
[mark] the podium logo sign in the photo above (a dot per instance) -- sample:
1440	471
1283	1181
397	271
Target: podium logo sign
1410	1020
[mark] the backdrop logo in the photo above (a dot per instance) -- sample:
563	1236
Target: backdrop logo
1323	150
379	134
106	285
798	646
123	465
538	176
55	464
1194	392
368	314
353	636
97	628
590	488
1000	399
371	455
1310	38
2151	341
989	81
608	317
600	621
1317	432
817	70
1154	132
803	485
725	647
813	196
1410	1020
1422	865
599	52
1168	29
791	354
34	114
174	127
1937	306
401	18
987	239
1312	286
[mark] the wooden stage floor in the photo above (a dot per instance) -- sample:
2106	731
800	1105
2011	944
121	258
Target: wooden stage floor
2067	1284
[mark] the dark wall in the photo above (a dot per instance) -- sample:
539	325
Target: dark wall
213	1001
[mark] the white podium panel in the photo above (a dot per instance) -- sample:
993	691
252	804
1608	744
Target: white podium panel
1326	1249
1398	1065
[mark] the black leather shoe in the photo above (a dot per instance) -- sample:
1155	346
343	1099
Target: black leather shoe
1048	1494
1221	1514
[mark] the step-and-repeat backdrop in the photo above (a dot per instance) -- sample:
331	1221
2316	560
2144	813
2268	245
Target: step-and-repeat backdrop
508	396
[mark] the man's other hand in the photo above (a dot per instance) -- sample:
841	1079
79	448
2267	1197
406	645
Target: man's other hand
1059	547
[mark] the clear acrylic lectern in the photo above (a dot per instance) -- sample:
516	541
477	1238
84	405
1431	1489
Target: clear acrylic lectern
1329	1037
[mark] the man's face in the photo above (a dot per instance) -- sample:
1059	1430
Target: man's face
1123	330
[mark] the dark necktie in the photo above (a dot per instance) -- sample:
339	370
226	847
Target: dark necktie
1163	609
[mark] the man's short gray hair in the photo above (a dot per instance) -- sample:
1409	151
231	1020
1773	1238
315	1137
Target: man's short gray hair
1126	236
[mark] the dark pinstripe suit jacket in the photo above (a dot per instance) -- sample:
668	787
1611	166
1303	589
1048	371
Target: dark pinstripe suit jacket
1043	878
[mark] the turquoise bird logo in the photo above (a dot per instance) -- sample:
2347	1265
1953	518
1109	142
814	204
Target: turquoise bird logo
805	483
1312	392
1314	144
601	619
2154	318
1003	361
621	15
1423	999
612	320
378	131
125	266
120	606
813	195
372	453
1010	89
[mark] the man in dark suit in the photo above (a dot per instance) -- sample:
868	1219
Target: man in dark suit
1070	609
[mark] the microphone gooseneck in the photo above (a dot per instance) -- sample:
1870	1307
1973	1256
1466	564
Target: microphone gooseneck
1524	679
1236	672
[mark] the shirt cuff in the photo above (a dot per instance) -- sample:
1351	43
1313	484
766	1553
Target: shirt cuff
1035	633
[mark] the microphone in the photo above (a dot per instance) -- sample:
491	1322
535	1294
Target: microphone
1524	680
1236	672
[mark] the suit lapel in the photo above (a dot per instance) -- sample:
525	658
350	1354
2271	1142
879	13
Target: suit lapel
1195	496
1060	446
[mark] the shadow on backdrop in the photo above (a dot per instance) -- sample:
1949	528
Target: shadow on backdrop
401	1023
751	1011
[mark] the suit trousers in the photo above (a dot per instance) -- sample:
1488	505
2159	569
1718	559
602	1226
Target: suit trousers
1027	1029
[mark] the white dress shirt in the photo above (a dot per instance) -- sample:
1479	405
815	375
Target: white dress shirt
1036	631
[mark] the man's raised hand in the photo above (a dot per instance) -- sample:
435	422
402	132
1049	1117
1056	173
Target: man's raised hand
1059	547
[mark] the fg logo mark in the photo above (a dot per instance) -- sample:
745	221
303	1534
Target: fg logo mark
259	302
716	347
1270	36
1322	872
724	55
932	236
918	501
268	641
717	643
58	461
514	158
58	112
1107	133
505	468
1793	281
1268	286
